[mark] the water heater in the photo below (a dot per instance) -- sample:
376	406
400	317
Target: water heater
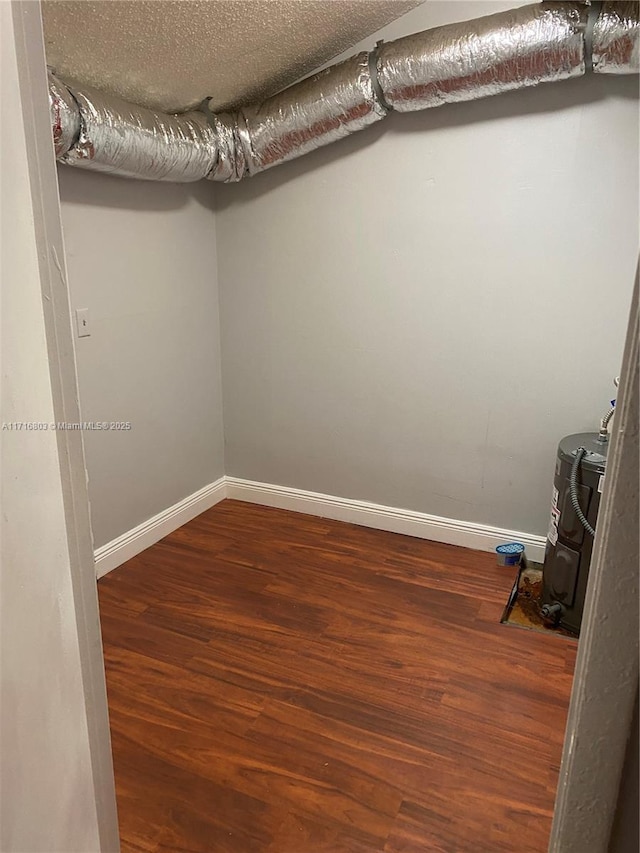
577	486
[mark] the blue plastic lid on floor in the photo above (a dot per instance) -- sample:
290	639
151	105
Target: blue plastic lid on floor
510	548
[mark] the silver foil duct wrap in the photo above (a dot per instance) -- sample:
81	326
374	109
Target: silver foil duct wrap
522	47
135	142
65	117
230	162
322	109
616	39
474	59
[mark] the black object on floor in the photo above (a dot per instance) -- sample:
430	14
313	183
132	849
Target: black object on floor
523	606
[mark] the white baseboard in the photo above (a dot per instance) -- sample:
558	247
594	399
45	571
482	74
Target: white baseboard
119	550
480	537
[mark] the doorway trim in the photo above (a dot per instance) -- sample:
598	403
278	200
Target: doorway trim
32	71
606	676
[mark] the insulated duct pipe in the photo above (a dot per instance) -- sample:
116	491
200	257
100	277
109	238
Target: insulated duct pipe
543	43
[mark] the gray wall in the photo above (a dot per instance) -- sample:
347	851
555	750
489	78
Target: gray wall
415	315
141	257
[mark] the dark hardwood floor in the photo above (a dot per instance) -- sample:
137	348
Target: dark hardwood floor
285	684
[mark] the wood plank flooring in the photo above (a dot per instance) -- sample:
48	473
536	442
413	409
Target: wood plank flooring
280	683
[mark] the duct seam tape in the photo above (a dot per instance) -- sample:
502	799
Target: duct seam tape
592	17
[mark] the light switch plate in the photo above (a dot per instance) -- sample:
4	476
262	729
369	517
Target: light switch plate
82	322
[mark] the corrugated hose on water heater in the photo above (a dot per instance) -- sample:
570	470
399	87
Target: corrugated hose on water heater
573	479
573	491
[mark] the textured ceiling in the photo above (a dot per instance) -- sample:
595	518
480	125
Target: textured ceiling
171	54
